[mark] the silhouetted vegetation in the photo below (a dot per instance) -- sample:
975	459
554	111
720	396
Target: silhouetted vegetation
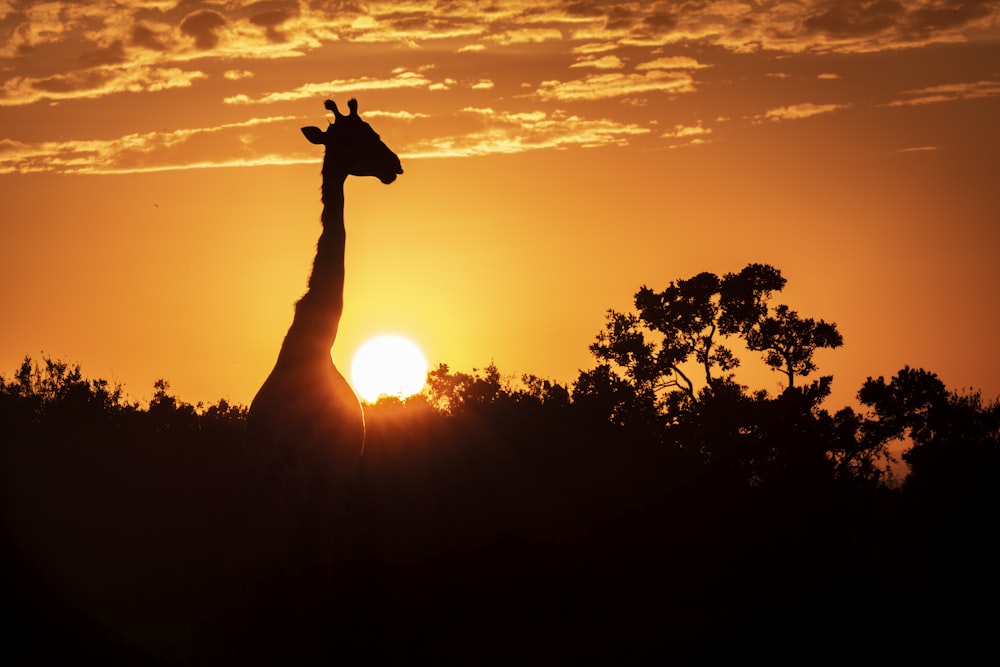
656	510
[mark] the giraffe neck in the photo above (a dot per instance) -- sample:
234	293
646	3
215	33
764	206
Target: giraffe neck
318	312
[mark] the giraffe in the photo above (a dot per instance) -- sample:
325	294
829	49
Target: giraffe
305	410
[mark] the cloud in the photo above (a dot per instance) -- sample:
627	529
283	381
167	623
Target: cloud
401	79
799	111
660	21
897	20
139	152
148	37
828	76
271	20
847	26
78	84
673	62
919	149
203	25
621	17
517	132
267	28
590	8
929	17
94	83
602	86
684	131
251	142
950	92
113	54
855	18
446	84
410	23
604	62
525	36
238	29
43	43
396	115
865	26
687	135
603	47
31	26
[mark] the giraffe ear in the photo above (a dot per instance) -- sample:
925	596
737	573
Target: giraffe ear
314	134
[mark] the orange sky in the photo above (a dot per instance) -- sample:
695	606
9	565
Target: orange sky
160	207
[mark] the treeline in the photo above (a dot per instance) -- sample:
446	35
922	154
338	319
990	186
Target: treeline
654	509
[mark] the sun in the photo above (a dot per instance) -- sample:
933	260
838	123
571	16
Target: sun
388	365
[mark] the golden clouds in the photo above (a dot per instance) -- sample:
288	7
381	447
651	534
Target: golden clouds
149	37
113	54
90	50
856	19
602	86
246	143
417	57
673	62
94	83
848	25
804	110
141	152
591	48
27	28
604	62
688	135
203	26
525	36
517	132
400	79
948	93
395	115
162	34
272	20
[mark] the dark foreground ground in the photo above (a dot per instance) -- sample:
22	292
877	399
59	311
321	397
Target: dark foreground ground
466	548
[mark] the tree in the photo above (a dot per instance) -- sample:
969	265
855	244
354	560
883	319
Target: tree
602	393
651	360
450	392
789	341
954	438
686	322
53	400
692	321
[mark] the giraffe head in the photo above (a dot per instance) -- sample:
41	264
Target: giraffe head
352	146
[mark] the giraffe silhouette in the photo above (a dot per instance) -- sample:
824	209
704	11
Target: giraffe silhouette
306	411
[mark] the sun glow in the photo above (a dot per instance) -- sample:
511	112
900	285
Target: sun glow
388	366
